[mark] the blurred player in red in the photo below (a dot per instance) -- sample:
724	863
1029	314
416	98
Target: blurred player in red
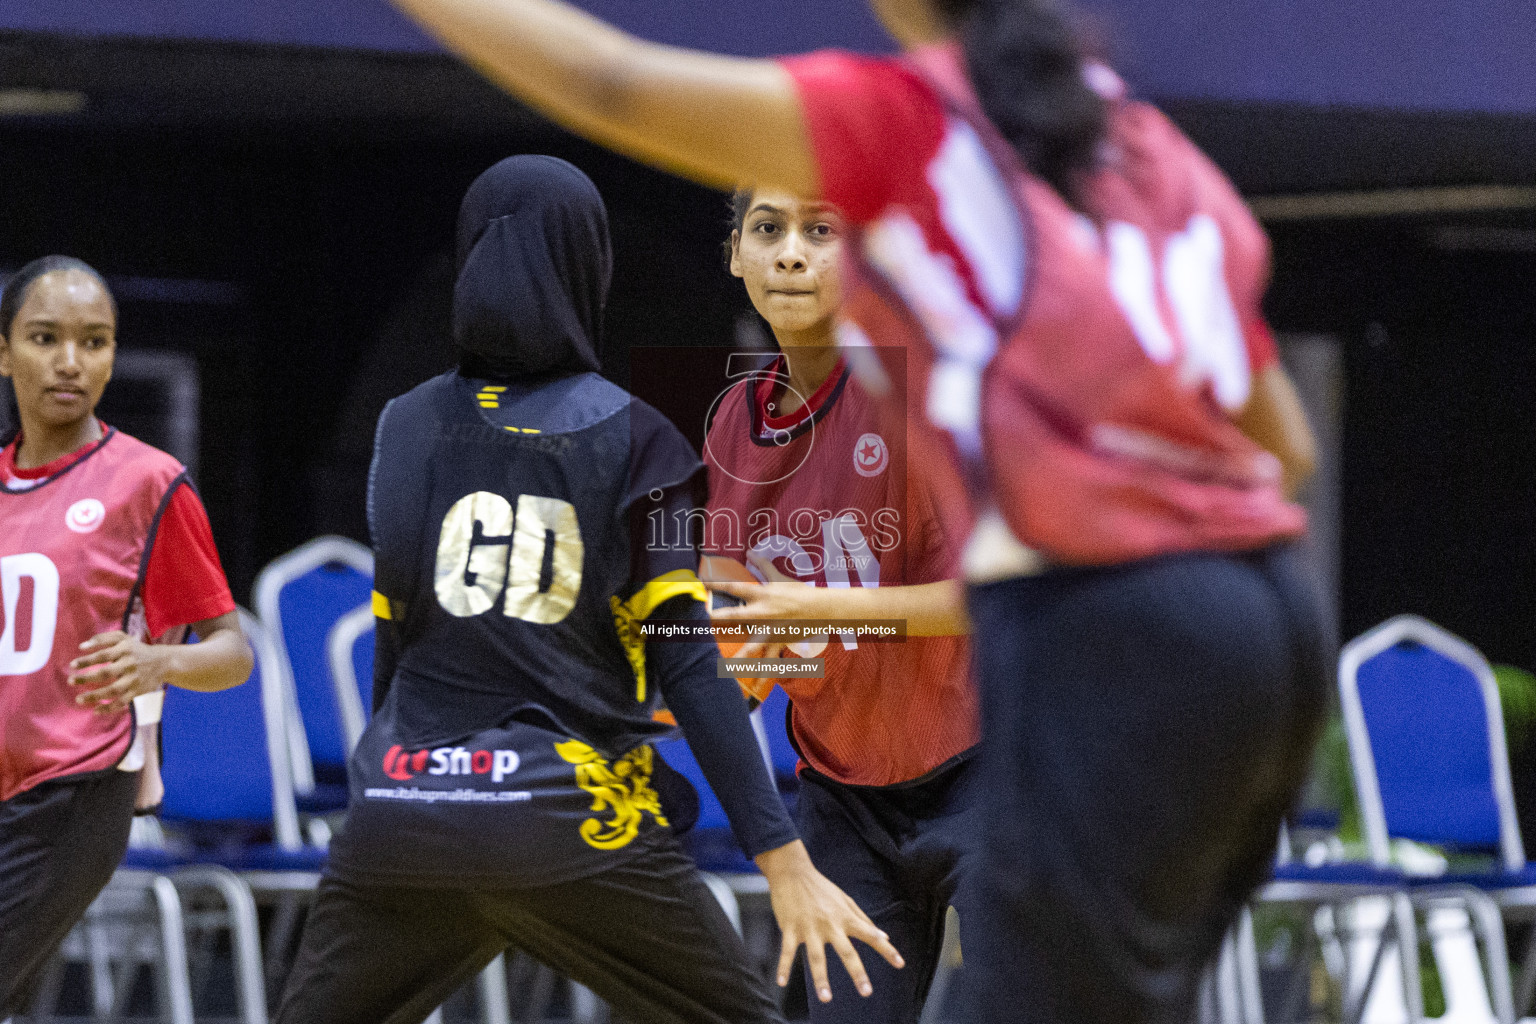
809	483
106	558
1074	292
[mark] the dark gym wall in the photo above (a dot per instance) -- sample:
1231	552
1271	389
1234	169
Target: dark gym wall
334	227
1439	456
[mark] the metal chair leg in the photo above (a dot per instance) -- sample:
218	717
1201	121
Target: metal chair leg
725	897
98	952
1229	999
283	927
1488	919
1408	957
1207	1000
586	1007
244	934
175	981
495	1003
1526	989
1356	997
541	991
949	960
1399	930
1246	953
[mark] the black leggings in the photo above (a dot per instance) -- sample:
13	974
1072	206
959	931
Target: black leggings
647	936
903	854
59	844
1146	727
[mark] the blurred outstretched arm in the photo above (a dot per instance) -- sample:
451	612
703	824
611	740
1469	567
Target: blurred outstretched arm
722	121
1275	421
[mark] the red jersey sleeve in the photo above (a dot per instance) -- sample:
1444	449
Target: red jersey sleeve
873	127
184	582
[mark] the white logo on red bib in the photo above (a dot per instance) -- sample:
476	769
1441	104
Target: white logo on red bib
85	515
870	455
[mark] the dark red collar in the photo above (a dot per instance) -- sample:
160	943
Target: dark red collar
9	470
767	387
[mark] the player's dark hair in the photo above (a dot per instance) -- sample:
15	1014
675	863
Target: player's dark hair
21	282
740	203
11	300
10	414
1025	59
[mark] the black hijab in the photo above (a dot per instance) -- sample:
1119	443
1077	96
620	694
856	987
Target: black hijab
534	265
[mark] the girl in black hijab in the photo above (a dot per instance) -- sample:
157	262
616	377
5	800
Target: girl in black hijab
505	793
534	265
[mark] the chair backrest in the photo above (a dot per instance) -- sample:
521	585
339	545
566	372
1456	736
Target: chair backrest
349	650
226	754
299	597
1426	739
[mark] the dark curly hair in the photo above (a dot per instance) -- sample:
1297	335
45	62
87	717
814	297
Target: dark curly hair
1025	59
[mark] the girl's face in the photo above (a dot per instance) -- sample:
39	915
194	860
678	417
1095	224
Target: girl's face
60	348
788	253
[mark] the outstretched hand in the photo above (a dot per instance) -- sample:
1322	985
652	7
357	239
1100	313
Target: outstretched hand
812	911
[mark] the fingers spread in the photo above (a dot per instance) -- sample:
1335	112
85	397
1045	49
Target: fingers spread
97	657
787	949
816	961
122	693
880	942
111	636
852	963
116	695
95	675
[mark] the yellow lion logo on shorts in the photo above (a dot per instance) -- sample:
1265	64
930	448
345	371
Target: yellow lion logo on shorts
624	787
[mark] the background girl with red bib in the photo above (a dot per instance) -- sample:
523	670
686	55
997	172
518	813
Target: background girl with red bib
809	483
104	547
1075	291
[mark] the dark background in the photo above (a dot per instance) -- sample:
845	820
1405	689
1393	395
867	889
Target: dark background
312	192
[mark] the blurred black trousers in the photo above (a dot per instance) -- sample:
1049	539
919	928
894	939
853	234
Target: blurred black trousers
1146	726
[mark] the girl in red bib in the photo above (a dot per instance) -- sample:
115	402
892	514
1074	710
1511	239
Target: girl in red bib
811	482
1072	293
106	559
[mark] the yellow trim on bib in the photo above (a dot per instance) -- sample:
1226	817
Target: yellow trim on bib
381	606
627	615
663	589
